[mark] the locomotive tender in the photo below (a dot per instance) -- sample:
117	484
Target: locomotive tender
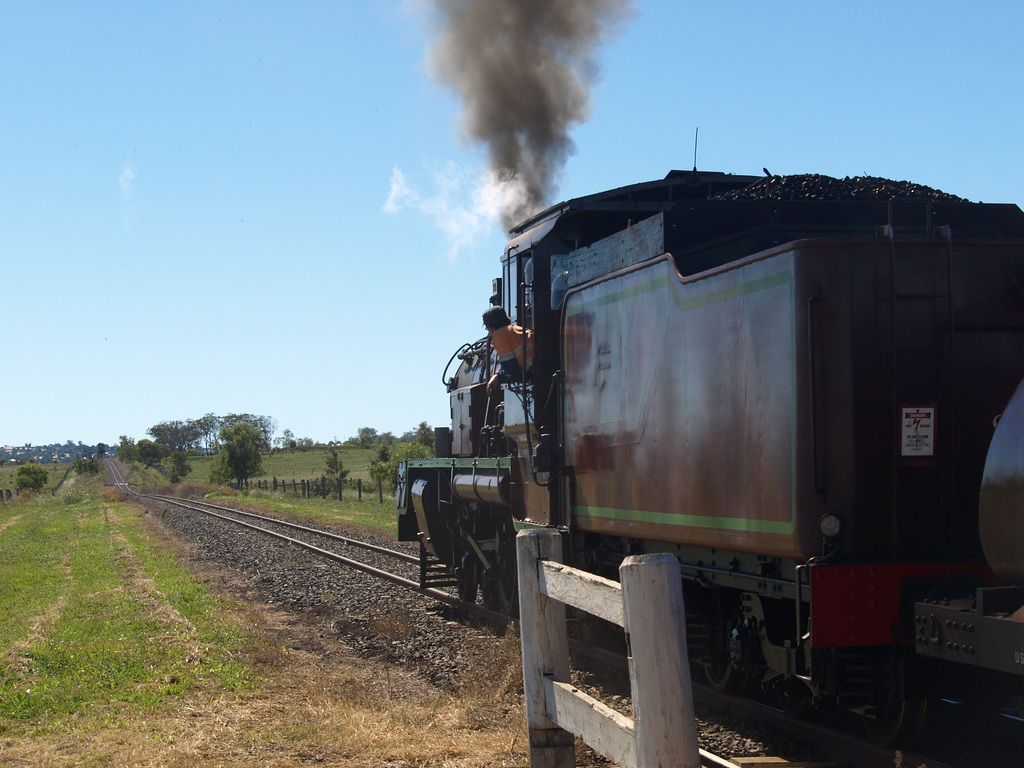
795	396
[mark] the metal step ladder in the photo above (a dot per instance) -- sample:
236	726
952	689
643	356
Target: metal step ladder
433	572
921	337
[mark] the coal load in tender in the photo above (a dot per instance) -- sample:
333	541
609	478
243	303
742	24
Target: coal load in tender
815	186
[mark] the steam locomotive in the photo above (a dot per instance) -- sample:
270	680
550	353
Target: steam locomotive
791	384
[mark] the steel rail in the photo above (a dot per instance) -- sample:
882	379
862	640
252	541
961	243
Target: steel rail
414	586
298	527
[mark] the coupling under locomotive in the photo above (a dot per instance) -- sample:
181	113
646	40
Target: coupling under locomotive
789	383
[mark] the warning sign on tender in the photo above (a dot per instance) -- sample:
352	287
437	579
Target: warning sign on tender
918	432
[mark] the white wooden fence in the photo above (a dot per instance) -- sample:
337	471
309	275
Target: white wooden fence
649	605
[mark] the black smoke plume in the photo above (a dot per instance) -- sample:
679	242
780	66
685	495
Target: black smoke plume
523	70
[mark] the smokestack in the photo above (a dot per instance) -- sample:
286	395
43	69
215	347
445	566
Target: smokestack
523	70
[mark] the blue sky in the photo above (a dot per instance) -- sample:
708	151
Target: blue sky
194	196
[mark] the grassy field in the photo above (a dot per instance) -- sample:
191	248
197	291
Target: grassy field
91	613
297	465
54	472
113	652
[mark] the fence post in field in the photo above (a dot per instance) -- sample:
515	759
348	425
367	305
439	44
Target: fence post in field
652	601
303	489
359	487
275	483
545	649
339	489
380	490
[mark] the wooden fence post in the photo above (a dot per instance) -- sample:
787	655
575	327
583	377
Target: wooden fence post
652	598
380	491
545	649
359	486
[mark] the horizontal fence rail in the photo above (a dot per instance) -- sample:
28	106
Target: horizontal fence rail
649	606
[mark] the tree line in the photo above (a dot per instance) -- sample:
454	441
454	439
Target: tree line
238	441
195	436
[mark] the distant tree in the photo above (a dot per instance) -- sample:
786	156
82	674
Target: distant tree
177	466
101	450
238	455
287	440
175	436
151	453
267	427
86	466
385	466
30	476
335	467
167	433
304	443
425	435
127	450
367	437
208	427
383	454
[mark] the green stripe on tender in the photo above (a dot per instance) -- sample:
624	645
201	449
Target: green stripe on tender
771	281
782	528
617	296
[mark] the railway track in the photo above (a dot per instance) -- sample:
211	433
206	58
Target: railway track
300	536
841	746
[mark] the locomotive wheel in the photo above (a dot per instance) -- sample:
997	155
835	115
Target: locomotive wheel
899	726
501	582
794	698
722	676
719	667
468	577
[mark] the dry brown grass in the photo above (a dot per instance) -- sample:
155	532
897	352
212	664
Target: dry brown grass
307	713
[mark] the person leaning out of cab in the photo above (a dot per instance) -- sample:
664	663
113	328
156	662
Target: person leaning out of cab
513	344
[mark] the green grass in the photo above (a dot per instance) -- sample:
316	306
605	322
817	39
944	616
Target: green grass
54	472
147	477
296	465
369	515
92	611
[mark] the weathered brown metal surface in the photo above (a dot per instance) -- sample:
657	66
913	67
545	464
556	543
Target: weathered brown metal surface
733	408
682	406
